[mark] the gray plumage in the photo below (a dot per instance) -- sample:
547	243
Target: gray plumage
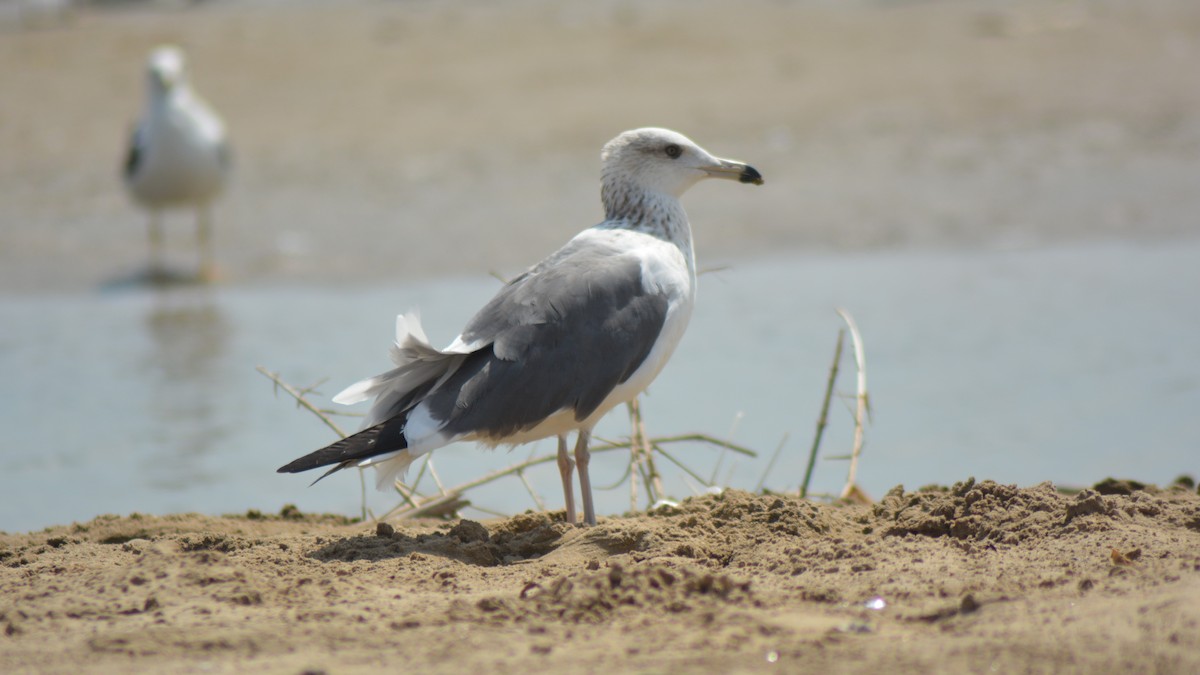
561	336
581	332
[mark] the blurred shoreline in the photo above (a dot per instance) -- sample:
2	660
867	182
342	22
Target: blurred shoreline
393	141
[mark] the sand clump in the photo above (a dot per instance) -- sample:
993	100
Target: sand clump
968	578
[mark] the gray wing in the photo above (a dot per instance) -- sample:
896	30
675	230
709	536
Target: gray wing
560	336
135	154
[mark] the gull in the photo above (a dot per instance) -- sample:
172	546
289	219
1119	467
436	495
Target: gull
577	334
178	155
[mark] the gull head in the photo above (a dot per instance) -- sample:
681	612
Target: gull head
165	69
666	162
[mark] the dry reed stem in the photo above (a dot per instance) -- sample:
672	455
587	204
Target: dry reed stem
645	454
634	448
641	458
433	474
737	419
323	415
362	494
770	465
620	480
417	505
420	474
823	419
302	401
541	505
608	446
683	438
444	506
684	468
855	495
407	493
862	408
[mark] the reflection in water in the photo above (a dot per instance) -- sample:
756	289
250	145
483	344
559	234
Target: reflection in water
189	335
160	277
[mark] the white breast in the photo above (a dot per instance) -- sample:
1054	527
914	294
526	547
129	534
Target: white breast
180	141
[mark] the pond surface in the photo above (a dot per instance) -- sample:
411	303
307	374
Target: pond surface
1068	365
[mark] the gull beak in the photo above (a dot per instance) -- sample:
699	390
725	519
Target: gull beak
731	170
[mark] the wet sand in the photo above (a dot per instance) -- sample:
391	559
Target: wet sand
978	577
373	139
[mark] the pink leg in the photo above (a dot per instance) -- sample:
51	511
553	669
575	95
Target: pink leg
582	457
565	467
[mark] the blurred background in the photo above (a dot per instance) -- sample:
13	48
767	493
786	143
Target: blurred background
1005	194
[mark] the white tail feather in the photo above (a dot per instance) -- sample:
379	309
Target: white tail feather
417	362
411	345
357	392
389	468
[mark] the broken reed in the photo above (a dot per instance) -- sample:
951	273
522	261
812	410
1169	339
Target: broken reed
642	449
448	500
862	411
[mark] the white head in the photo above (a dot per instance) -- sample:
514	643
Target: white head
653	160
165	69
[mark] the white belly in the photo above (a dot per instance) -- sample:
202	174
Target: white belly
181	162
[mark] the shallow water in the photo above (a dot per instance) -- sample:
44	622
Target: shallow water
1067	365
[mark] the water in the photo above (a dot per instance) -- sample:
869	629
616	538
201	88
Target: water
1066	364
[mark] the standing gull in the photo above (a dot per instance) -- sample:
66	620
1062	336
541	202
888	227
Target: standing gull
581	332
178	156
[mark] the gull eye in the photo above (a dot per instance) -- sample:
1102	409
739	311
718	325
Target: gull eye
673	151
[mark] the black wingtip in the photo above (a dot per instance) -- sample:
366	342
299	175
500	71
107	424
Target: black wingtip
339	467
315	460
309	461
377	440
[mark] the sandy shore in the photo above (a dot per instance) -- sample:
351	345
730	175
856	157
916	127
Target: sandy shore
979	577
374	138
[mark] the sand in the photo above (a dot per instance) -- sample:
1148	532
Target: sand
977	577
371	137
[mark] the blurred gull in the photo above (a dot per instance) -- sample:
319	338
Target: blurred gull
581	332
178	155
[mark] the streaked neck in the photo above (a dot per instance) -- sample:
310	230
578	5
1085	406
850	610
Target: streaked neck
657	214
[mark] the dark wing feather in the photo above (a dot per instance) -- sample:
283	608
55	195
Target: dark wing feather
377	440
387	436
133	159
560	336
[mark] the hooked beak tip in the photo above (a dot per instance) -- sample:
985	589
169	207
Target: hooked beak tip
750	175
